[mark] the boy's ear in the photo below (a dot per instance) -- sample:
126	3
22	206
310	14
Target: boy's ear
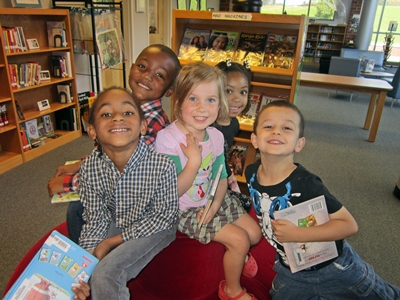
169	92
300	144
91	132
253	139
143	127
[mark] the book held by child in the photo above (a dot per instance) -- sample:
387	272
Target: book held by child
307	214
58	266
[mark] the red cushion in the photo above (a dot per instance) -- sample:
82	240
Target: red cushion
186	269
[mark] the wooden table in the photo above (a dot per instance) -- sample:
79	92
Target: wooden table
377	74
376	87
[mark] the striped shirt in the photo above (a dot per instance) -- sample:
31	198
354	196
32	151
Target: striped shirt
141	201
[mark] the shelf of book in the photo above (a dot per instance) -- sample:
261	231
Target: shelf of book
321	38
275	76
23	85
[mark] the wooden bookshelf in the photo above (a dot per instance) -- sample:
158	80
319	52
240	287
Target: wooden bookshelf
323	38
33	23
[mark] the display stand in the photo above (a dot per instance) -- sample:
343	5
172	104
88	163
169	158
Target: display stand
94	8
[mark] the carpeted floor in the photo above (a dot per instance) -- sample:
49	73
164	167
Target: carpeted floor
362	175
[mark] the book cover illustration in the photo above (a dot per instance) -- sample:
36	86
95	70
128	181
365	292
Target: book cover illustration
55	269
265	99
251	48
248	117
56	34
237	158
280	51
194	44
32	128
221	46
109	48
68	196
307	214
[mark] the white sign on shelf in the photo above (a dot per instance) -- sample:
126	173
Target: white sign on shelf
231	16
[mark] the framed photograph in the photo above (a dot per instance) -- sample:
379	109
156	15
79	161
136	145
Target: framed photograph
45	75
32	44
26	3
43	104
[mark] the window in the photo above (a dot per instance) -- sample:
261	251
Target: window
317	9
386	12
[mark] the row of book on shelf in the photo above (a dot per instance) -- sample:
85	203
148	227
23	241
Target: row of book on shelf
15	41
34	133
31	73
257	49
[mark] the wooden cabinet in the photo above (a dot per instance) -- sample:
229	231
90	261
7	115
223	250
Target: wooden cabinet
33	23
273	81
323	38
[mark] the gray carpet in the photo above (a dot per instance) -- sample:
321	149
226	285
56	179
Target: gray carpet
362	175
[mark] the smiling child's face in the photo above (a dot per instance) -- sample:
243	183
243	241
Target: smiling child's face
151	76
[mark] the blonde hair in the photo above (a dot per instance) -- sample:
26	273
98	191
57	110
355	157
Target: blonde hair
192	75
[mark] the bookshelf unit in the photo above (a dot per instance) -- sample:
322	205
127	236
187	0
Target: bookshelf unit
273	81
323	38
33	22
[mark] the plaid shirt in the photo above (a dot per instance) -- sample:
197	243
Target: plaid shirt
141	201
156	119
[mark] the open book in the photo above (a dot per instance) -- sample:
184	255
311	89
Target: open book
211	195
307	214
55	269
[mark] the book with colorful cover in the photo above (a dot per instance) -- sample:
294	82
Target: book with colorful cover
280	51
237	159
310	213
221	46
68	196
194	44
251	48
58	266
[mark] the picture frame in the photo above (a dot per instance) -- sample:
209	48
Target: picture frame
26	3
32	44
43	104
45	75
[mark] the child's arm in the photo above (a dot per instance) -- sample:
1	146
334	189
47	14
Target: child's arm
68	169
192	151
61	184
340	226
107	245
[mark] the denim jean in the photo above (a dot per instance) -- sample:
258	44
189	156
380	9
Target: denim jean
75	221
125	262
348	277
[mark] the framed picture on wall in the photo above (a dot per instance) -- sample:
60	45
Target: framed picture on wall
26	3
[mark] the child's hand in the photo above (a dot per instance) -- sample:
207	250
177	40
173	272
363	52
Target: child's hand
68	169
55	185
285	231
82	291
192	150
209	217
